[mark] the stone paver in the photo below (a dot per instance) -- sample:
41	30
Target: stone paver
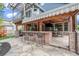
23	49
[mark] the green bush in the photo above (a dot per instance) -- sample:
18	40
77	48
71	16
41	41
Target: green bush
77	27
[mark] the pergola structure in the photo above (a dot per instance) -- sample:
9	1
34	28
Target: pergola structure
62	14
65	14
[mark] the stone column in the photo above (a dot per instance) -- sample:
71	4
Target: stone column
72	41
16	32
72	34
25	27
78	42
70	24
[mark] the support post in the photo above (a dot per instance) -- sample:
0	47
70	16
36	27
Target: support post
54	26
24	11
72	34
63	27
40	26
16	27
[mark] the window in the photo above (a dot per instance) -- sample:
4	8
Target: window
28	14
66	26
52	27
58	26
35	9
49	27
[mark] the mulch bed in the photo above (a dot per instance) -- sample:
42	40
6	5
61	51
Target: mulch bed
4	48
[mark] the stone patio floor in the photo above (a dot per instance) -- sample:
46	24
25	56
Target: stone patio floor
19	48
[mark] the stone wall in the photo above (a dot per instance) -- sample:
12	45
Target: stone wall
78	42
41	37
74	42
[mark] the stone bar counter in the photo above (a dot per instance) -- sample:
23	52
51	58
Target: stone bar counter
41	37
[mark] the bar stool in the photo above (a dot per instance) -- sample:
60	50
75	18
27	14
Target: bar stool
43	40
40	39
22	37
27	37
31	37
32	40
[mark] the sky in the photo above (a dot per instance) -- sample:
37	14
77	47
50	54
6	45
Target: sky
7	13
49	6
45	6
77	19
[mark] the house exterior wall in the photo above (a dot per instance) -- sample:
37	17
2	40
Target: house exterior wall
34	10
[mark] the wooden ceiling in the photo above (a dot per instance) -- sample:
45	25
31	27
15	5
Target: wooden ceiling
57	18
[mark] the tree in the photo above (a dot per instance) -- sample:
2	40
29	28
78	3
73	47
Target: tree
1	6
2	33
1	21
1	11
2	28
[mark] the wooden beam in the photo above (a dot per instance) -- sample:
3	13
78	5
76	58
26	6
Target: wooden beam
57	18
40	26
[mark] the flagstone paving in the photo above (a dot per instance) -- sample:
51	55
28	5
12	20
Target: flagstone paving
19	48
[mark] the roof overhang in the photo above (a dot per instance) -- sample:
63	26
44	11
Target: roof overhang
16	21
61	10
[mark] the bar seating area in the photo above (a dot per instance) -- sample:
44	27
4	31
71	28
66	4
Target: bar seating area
40	38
